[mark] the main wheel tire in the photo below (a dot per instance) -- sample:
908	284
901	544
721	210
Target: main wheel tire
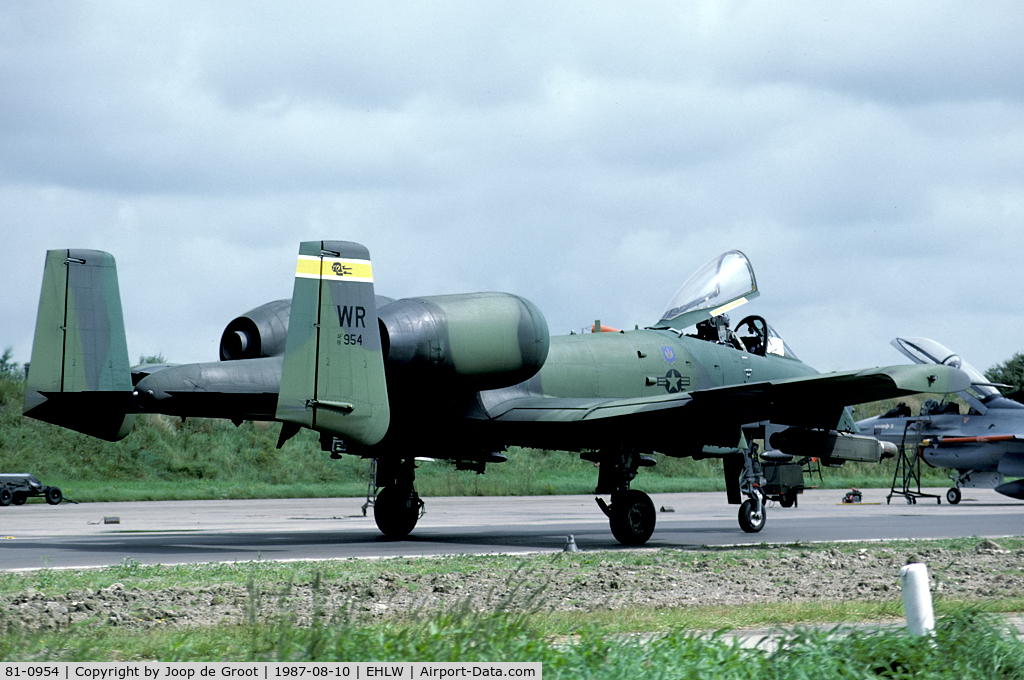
953	496
54	496
632	517
396	511
750	521
6	496
19	497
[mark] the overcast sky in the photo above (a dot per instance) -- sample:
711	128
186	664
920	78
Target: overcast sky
868	157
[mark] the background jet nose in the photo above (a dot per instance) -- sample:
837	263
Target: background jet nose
145	399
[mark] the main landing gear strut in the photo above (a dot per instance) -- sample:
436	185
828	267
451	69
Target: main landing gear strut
752	515
631	514
397	507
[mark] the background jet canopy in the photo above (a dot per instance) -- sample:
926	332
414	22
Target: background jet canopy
927	351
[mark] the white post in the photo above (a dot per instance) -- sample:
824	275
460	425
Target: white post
917	599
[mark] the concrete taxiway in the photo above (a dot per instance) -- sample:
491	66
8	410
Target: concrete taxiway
37	535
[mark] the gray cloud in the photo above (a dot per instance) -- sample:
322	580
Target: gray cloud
866	156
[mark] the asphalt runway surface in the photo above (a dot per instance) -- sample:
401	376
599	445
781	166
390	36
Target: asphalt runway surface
36	535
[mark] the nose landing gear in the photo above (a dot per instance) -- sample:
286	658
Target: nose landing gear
752	515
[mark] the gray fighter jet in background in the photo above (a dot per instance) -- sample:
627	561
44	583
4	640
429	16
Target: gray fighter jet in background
985	445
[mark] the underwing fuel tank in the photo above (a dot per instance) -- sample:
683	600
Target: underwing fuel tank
835	445
1013	489
476	341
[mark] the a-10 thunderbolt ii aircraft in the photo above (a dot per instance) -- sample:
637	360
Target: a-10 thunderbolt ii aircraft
984	445
463	377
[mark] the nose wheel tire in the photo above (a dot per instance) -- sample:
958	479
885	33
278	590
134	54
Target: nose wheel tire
953	496
396	511
632	517
751	521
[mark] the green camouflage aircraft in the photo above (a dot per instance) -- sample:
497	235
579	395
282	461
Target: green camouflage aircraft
463	377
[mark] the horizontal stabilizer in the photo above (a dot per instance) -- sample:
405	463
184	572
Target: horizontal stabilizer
79	376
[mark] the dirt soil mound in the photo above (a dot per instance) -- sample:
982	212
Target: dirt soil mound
546	582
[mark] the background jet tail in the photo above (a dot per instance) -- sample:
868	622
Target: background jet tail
333	377
80	376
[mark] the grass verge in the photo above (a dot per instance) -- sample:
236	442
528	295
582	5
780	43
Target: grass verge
966	644
633	641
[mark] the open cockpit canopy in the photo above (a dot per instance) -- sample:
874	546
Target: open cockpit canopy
721	285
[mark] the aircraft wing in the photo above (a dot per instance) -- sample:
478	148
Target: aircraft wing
808	400
812	401
568	410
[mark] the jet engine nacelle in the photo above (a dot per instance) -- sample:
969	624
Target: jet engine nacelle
476	341
260	332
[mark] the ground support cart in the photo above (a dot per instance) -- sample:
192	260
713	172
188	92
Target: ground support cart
16	488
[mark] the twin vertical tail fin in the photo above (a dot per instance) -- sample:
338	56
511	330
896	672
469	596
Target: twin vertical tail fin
80	376
333	376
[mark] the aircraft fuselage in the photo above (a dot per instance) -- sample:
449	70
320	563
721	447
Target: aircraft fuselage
619	365
645	363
